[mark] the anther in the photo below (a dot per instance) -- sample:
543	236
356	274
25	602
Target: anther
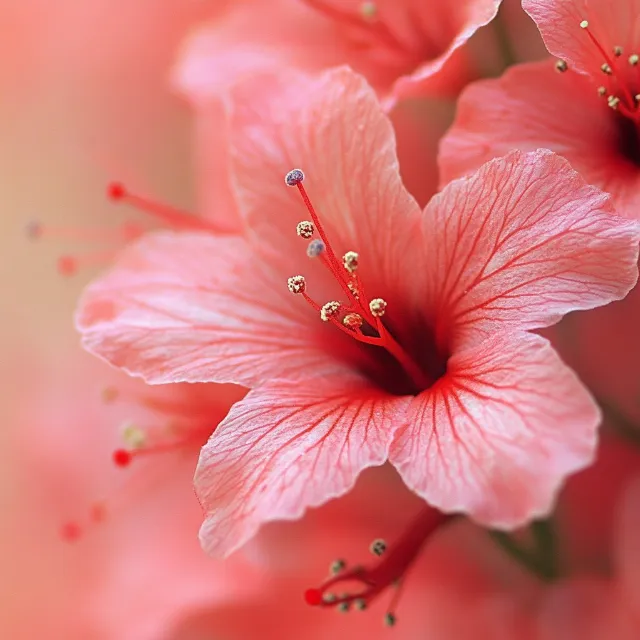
602	91
606	68
617	51
378	547
329	597
337	566
352	321
350	261
134	437
305	229
378	306
354	289
294	177
390	620
634	58
561	66
613	102
344	607
360	604
315	248
109	395
297	284
330	310
369	10
584	24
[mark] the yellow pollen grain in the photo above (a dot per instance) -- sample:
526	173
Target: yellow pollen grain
378	306
634	58
369	10
305	229
329	310
352	321
297	284
350	261
561	66
134	437
584	24
605	68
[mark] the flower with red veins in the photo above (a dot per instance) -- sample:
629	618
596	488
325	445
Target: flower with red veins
584	107
400	46
442	377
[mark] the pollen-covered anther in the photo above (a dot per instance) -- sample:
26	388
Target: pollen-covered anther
378	306
297	284
617	51
613	102
134	437
315	248
343	607
602	91
337	566
352	321
561	66
634	58
329	597
305	229
378	547
390	620
330	310
606	69
354	289
350	261
294	177
360	604
584	24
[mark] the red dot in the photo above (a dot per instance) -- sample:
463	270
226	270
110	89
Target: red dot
121	457
70	531
313	597
116	191
67	265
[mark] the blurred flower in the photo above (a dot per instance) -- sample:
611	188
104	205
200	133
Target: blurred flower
438	379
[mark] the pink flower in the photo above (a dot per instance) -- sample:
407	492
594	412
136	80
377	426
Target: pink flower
588	112
398	45
425	357
134	568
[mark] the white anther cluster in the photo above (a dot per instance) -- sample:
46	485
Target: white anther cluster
613	102
378	547
329	310
352	321
378	306
350	261
606	69
305	229
297	284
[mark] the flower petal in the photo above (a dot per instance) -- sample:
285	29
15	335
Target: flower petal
520	243
198	308
287	447
498	434
521	110
611	23
332	128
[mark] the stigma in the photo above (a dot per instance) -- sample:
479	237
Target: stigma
356	316
357	587
620	84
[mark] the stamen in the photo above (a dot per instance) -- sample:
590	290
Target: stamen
605	68
561	66
350	261
297	284
378	547
602	91
305	229
330	310
337	566
613	102
617	51
388	572
390	619
378	307
634	58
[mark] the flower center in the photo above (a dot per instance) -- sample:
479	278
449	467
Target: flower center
358	586
359	317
